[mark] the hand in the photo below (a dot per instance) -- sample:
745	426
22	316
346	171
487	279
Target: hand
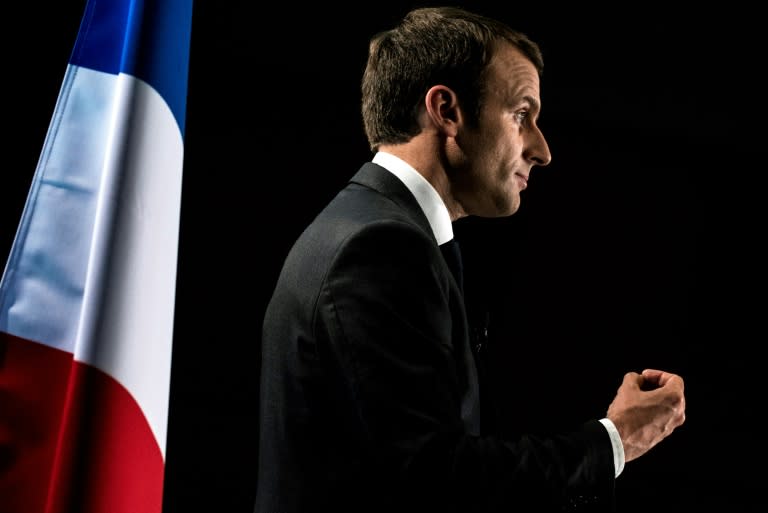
646	409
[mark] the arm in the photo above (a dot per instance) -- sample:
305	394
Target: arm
391	326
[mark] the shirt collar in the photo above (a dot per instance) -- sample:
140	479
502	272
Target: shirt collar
429	200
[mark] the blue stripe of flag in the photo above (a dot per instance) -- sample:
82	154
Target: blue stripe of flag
157	52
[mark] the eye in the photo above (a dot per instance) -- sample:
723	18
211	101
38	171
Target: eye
522	116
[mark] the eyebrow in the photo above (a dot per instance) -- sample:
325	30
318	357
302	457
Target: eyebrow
535	105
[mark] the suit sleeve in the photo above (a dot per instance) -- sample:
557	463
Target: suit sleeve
385	312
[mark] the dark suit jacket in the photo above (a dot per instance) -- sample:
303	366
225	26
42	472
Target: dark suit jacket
369	390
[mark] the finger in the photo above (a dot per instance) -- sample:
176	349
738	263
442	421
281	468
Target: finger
633	378
655	377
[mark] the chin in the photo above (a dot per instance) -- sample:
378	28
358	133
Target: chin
501	211
510	206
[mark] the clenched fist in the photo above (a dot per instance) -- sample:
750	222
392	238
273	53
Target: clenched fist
647	408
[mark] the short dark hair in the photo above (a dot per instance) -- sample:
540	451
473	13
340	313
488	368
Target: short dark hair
430	46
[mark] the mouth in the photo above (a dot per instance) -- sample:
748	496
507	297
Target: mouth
522	180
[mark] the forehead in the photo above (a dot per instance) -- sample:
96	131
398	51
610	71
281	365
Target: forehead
511	75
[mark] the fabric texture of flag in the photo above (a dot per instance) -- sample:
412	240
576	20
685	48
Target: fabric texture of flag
87	295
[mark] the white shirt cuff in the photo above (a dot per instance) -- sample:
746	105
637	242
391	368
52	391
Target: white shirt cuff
618	446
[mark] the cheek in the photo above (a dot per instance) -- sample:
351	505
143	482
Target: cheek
498	160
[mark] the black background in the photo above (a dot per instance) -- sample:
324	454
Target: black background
607	267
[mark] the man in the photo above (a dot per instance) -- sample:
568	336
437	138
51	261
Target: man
370	392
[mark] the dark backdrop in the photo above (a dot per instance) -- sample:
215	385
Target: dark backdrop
606	268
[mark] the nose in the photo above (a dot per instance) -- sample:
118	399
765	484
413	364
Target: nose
537	150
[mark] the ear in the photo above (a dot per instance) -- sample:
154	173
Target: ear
443	109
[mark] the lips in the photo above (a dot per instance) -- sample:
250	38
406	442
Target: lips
522	180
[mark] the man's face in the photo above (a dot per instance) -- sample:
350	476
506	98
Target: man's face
492	161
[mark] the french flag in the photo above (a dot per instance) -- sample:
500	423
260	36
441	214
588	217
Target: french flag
87	294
